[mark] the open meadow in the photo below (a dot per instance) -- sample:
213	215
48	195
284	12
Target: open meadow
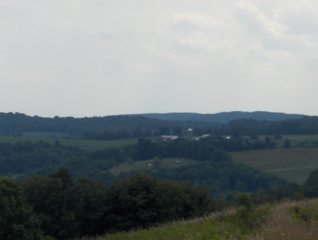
292	164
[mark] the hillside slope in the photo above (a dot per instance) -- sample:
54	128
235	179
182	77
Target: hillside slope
288	220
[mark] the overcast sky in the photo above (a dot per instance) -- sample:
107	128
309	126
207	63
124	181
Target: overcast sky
102	57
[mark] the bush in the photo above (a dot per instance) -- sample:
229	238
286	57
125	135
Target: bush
251	216
305	214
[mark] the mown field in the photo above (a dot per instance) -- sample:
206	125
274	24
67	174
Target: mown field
283	221
292	164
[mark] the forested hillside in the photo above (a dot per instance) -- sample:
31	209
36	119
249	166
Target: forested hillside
135	126
224	117
201	162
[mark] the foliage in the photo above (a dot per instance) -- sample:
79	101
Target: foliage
210	166
55	203
311	185
17	220
87	208
305	213
142	201
249	215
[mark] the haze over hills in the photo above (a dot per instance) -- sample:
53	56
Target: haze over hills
224	117
138	124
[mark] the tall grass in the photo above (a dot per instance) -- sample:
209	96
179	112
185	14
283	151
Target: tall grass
285	221
284	225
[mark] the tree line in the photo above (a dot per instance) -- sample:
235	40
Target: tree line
119	127
55	207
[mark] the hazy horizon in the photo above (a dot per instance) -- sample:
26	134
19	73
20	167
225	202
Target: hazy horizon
125	114
97	58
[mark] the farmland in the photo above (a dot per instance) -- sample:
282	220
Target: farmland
292	164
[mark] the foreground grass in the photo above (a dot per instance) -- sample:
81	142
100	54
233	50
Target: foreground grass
283	223
203	229
292	164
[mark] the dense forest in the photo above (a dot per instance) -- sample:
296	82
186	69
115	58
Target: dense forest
223	117
55	206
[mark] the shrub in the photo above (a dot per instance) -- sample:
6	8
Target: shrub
250	216
305	214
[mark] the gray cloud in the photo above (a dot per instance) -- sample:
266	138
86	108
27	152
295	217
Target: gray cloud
98	57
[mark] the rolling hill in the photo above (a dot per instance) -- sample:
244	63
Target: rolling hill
224	117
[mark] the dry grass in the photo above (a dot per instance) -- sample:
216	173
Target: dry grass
282	225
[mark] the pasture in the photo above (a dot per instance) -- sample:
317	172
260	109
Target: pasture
292	164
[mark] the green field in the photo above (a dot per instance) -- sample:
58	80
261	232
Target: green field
149	164
87	145
292	164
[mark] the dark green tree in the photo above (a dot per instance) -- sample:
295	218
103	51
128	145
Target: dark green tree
311	185
54	203
17	220
91	196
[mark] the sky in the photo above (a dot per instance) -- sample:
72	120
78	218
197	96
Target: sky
106	57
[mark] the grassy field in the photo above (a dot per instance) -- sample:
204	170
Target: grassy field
87	145
292	164
281	223
149	164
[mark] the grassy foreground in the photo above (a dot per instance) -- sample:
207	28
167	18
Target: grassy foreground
284	221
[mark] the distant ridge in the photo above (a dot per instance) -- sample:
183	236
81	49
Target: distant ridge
17	123
224	117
